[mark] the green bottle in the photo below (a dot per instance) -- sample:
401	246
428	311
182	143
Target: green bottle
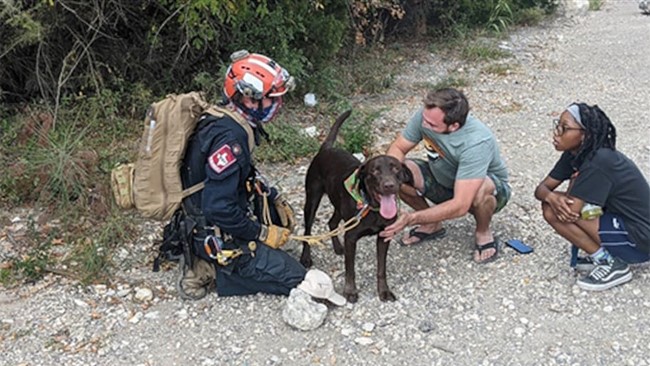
590	211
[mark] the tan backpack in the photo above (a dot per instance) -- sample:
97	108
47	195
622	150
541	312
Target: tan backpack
157	190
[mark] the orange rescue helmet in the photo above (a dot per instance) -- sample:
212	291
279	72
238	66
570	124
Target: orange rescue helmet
256	76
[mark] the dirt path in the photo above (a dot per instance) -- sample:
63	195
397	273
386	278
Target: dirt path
519	310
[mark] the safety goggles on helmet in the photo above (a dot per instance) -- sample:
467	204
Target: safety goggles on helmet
256	76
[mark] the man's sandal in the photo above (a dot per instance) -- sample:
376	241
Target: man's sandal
491	245
422	236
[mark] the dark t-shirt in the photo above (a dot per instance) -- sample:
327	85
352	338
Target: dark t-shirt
611	180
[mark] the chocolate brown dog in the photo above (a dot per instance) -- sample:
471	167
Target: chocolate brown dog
368	190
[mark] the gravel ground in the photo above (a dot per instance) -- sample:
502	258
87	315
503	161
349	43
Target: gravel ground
518	310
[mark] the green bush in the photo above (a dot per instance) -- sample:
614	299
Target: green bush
53	52
446	15
292	33
547	6
455	18
595	4
358	136
288	143
530	16
163	44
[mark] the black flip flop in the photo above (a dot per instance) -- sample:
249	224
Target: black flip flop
424	236
496	245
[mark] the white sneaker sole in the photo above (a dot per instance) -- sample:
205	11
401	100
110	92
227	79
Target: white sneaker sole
605	286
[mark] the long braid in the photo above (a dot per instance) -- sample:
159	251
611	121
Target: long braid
599	132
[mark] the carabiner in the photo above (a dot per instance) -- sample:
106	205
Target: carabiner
212	246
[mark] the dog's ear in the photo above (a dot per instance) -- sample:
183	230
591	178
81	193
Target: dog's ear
405	175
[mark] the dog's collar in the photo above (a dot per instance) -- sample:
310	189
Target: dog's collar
352	185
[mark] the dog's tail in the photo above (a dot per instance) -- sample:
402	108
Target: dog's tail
334	131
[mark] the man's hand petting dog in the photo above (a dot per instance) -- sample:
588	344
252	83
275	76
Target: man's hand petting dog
404	219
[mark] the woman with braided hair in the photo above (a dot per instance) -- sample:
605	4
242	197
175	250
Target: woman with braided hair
606	208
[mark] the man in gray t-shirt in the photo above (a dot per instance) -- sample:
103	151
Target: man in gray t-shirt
463	172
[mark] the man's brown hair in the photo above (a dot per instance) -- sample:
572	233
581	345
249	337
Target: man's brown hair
451	101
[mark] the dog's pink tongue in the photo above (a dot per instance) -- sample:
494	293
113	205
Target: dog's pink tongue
387	206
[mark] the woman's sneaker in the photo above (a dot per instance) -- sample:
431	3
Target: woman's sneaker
586	264
606	275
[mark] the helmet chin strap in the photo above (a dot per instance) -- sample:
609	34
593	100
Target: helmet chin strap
260	127
263	133
252	120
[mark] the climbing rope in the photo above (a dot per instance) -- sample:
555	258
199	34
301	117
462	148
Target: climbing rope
316	240
346	226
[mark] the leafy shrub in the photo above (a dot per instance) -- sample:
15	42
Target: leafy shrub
370	17
595	4
547	6
164	44
288	143
358	136
530	16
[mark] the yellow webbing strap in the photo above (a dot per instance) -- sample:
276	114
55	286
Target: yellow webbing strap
313	240
341	229
317	240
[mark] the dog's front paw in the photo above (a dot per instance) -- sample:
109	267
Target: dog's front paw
352	297
386	295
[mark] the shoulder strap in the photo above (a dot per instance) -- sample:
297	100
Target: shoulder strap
220	112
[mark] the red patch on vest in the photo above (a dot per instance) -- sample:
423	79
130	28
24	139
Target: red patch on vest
221	159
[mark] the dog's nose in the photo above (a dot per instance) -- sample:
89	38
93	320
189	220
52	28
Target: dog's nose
389	185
